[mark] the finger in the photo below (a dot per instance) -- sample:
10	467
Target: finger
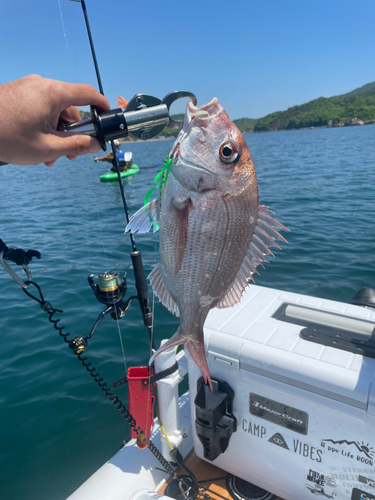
81	94
49	163
70	115
71	157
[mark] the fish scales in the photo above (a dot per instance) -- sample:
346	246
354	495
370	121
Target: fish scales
208	213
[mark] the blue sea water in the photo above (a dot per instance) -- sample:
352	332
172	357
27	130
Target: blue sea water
56	427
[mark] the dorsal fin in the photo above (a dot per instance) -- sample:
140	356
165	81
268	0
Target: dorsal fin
121	102
161	292
264	237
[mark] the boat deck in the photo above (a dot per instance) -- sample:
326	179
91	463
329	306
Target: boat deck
209	476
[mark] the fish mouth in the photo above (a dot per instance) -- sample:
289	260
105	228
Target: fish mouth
205	179
202	116
186	163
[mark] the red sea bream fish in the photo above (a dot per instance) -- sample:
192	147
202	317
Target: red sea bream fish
213	232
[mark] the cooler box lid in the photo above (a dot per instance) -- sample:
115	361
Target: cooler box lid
261	335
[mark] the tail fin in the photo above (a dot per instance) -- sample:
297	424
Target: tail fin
195	348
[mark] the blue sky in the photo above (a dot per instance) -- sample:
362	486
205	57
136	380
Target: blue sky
255	56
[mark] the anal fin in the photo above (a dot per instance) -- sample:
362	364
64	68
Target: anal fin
161	292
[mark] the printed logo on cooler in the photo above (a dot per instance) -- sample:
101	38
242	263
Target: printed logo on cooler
279	413
322	485
365	452
322	479
278	440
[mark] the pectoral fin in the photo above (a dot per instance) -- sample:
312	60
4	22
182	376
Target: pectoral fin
178	228
146	218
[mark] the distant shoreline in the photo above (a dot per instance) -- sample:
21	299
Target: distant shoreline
148	140
355	108
305	128
250	132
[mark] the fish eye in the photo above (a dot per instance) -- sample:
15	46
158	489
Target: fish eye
228	152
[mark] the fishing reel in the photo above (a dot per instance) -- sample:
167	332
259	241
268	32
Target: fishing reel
144	117
109	291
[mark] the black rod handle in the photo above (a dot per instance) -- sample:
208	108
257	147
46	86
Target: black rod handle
142	289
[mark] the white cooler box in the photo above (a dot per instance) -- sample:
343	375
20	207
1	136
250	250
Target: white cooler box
302	420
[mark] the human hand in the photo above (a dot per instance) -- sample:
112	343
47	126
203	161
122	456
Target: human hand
30	110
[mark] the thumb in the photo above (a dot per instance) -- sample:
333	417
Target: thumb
64	144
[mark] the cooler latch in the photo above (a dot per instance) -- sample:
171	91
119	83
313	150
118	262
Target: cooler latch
215	422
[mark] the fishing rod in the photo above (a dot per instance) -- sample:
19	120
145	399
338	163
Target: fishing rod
145	117
83	5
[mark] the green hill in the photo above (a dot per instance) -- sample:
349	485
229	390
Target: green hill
245	124
368	89
331	111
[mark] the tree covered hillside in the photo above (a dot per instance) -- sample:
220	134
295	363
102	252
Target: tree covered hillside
359	103
245	124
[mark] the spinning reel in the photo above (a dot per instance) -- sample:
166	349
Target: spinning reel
109	291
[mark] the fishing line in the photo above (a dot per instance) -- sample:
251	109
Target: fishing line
100	223
153	318
149	388
153	307
88	179
62	24
122	346
87	224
